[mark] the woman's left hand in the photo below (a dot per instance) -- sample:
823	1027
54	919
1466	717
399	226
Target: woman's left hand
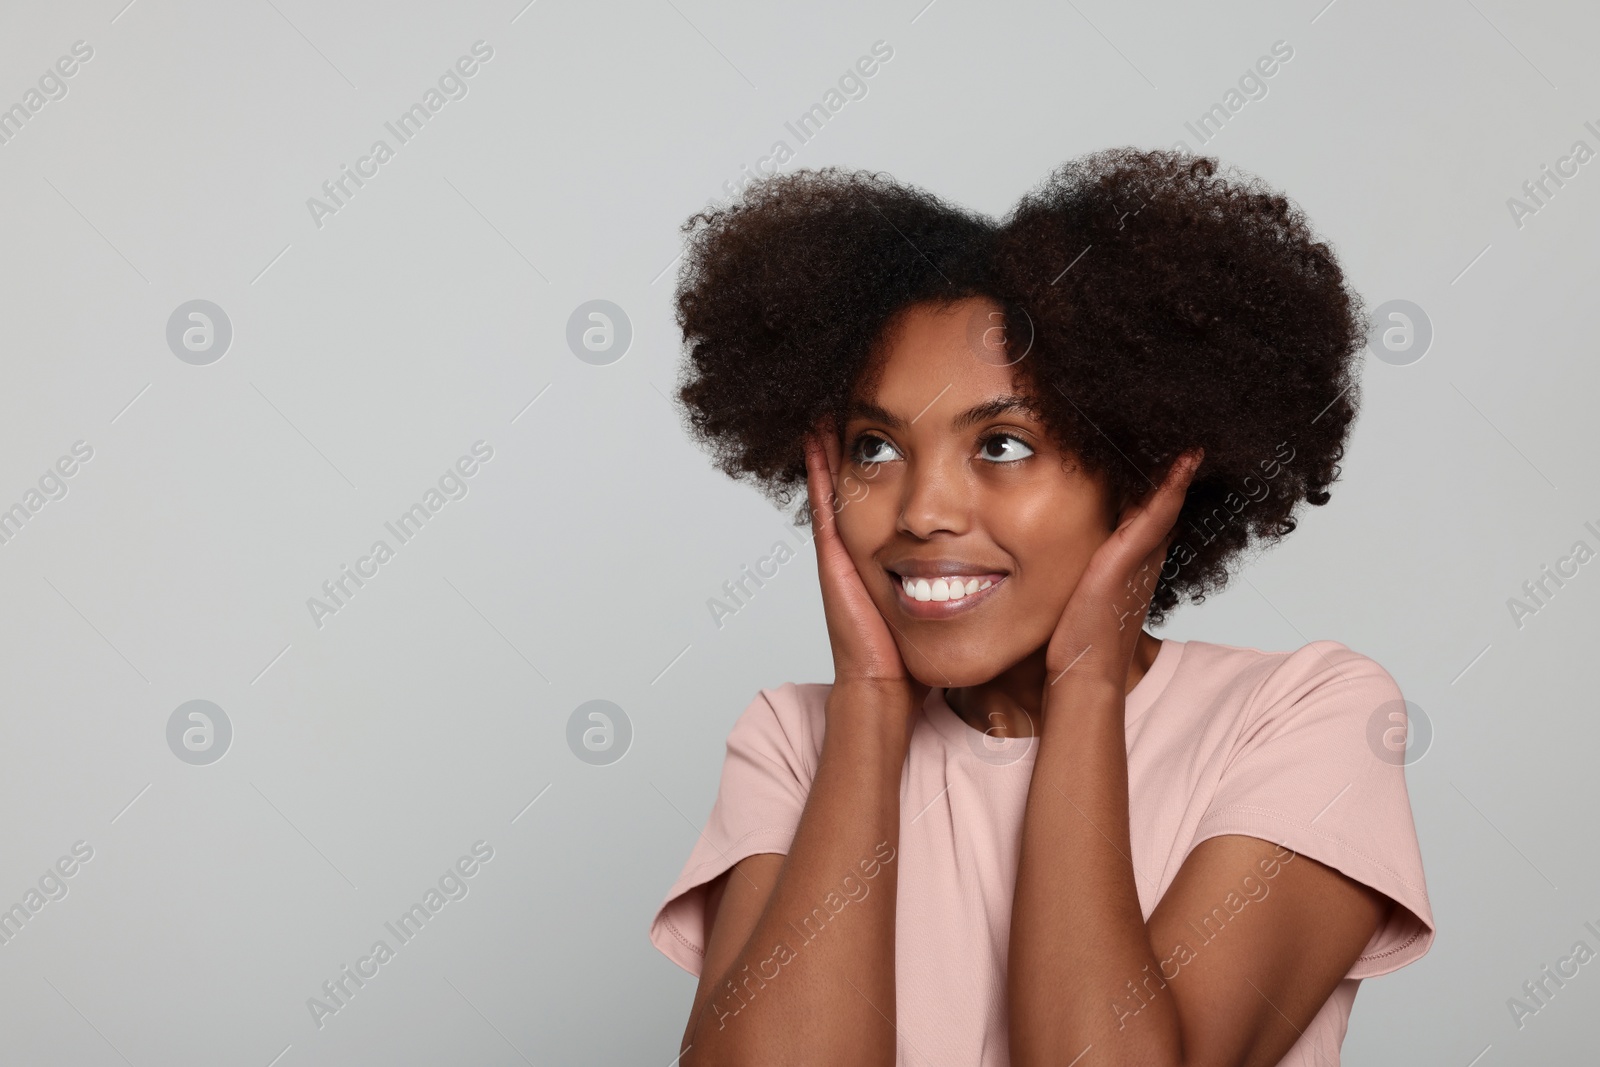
1100	626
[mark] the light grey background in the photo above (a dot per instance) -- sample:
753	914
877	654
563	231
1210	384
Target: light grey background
431	310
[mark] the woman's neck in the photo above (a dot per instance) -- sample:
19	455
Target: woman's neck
1008	705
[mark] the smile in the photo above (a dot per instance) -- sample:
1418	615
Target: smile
941	597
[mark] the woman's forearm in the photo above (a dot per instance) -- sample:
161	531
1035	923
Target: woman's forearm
815	981
1078	936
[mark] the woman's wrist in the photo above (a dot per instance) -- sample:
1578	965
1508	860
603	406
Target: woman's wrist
1086	693
872	717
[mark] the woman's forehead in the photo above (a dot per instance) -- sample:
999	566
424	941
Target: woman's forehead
932	360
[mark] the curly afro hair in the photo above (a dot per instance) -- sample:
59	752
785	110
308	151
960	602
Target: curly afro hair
1161	302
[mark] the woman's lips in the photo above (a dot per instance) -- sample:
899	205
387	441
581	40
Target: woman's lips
983	587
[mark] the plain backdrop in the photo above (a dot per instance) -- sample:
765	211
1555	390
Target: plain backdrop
377	340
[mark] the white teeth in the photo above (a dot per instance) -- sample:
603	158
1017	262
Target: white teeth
948	588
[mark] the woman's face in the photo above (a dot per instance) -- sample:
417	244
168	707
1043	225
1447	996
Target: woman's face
963	482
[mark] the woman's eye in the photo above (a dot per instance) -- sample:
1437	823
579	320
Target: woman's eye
1004	448
872	449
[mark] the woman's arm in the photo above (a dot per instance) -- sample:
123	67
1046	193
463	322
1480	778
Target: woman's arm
813	982
730	919
1088	979
1086	974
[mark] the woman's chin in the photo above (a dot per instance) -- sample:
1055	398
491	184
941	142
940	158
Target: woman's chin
954	664
954	675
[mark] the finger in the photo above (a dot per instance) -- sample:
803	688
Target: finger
1178	478
836	465
1184	467
1143	535
834	566
1160	507
831	555
819	483
1169	499
830	442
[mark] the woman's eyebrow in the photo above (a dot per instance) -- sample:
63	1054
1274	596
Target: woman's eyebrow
1000	405
866	409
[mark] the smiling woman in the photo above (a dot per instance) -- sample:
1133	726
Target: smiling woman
1046	410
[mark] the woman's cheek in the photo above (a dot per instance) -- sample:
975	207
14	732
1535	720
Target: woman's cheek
852	488
1051	536
858	526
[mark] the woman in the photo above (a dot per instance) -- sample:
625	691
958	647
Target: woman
1017	828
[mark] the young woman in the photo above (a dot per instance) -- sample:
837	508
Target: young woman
1017	828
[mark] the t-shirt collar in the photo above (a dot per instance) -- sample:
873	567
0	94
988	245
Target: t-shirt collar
955	730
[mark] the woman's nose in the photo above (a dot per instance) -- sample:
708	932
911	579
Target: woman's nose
935	498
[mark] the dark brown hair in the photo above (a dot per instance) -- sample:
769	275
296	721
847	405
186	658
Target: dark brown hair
1161	301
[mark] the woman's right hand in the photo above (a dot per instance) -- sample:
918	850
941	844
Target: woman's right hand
865	655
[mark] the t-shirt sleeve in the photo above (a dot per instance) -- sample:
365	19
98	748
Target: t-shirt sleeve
766	777
1319	768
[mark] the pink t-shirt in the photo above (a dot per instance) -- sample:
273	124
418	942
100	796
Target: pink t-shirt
1297	748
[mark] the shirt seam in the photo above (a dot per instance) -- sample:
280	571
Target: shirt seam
1307	827
672	929
741	839
666	919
